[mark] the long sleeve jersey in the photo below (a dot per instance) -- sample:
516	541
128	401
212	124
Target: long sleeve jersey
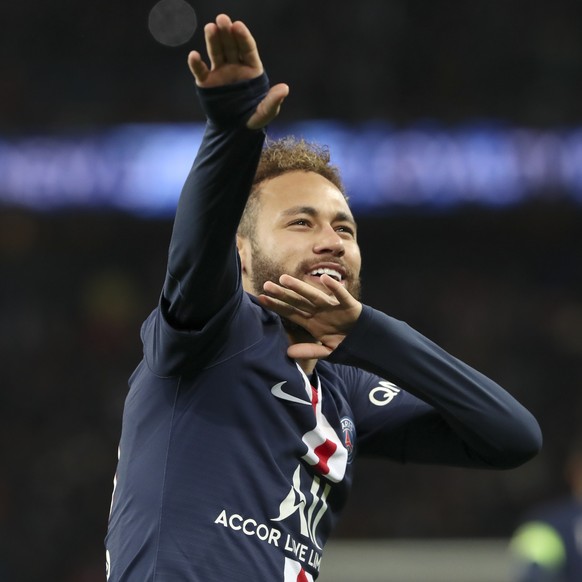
234	465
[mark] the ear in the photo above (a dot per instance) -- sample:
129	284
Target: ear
243	246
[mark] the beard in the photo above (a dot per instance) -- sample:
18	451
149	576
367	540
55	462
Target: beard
266	269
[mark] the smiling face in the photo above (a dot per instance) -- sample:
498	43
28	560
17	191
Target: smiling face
304	228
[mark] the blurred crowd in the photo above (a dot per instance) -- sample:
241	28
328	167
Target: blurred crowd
502	290
69	63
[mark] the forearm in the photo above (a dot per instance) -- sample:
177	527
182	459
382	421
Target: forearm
202	264
493	426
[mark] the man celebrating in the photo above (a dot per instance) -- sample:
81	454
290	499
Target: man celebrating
263	375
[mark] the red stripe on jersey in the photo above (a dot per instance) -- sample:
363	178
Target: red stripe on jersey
314	398
302	577
323	453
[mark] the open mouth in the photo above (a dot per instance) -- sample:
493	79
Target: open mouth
334	273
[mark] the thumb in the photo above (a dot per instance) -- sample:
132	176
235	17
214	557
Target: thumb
308	351
269	107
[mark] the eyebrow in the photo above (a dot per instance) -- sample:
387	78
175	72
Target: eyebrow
310	211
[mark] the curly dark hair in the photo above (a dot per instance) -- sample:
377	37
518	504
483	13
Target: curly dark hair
278	157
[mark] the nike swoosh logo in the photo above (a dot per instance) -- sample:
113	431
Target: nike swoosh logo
277	390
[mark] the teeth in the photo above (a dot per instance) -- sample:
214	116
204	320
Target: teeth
331	272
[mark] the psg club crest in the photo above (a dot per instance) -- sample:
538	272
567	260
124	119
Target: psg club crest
349	435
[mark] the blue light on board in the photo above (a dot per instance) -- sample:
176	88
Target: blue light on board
141	168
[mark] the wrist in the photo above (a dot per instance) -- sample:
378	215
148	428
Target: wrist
233	104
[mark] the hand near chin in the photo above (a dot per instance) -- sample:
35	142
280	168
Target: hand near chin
327	317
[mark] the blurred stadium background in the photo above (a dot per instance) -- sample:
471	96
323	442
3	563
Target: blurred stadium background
458	126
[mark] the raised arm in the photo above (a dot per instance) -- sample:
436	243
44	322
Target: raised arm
202	265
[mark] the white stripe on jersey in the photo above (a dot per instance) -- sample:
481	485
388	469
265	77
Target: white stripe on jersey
325	450
295	573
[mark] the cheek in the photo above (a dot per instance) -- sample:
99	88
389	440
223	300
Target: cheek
290	262
287	248
355	259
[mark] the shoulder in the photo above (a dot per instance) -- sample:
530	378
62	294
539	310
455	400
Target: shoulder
265	316
169	351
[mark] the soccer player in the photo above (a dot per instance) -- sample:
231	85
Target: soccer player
263	375
547	546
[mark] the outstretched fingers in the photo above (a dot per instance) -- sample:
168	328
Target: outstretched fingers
289	297
230	42
343	296
214	45
284	308
246	45
327	316
313	295
229	47
234	57
197	67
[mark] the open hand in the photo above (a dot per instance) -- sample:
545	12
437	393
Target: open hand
327	317
234	57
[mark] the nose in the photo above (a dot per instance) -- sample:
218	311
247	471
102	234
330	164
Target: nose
329	242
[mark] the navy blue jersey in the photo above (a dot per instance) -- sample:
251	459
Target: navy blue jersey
234	465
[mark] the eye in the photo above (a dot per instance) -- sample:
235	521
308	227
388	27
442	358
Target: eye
300	222
343	228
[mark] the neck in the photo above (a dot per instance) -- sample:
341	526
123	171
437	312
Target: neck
307	366
300	336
